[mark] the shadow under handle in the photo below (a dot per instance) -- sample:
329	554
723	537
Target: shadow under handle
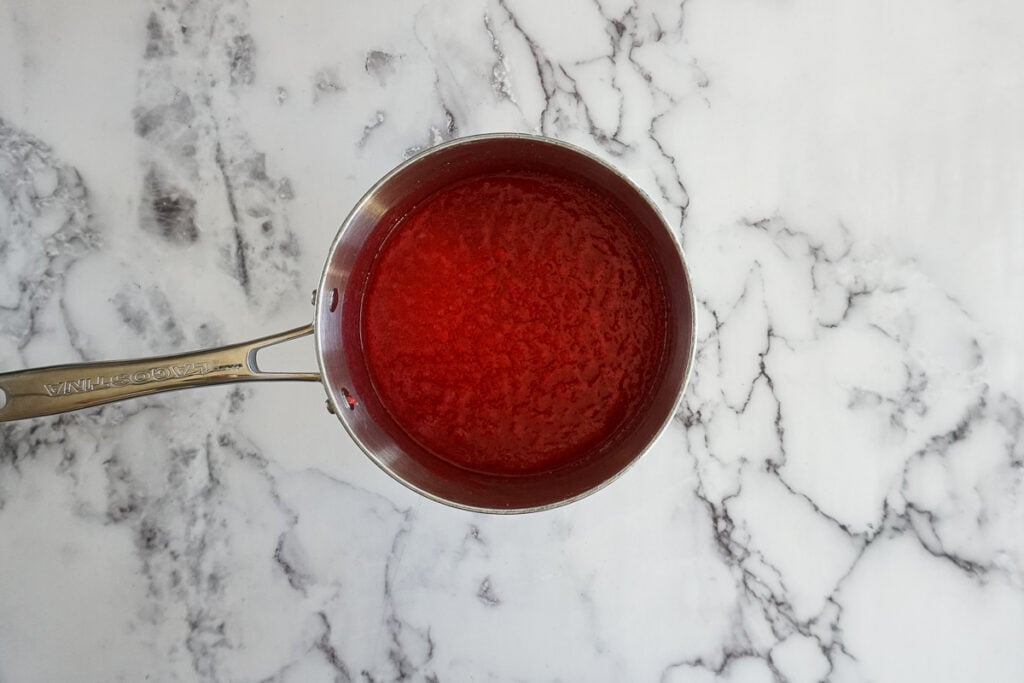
63	388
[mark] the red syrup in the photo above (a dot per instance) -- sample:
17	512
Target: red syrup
514	322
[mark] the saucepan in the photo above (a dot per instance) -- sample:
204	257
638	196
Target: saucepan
337	301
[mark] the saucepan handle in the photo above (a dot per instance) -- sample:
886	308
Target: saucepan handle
63	388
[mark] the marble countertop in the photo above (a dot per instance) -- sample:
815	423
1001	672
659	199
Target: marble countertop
840	497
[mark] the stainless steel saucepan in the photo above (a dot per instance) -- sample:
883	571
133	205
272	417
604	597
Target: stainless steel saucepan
336	329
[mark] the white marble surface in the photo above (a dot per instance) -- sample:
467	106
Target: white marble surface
840	499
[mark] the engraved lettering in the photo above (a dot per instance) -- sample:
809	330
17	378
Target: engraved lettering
228	366
159	373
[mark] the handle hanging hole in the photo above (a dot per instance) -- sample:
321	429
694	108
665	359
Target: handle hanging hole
3	398
334	299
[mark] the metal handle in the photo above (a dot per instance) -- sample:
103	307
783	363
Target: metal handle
63	388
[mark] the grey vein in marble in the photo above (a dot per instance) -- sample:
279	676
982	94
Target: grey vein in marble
186	74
